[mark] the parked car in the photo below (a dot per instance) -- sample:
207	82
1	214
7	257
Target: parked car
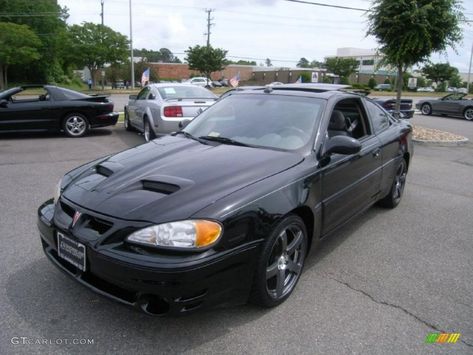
54	109
451	105
426	89
226	210
199	81
160	108
216	84
224	82
383	87
389	105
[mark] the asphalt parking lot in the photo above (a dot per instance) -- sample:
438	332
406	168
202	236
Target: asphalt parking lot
377	287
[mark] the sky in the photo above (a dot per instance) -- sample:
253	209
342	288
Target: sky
250	29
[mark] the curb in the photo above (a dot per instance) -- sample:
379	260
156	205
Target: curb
441	143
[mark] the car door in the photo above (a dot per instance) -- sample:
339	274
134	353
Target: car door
448	104
351	183
389	141
26	113
140	108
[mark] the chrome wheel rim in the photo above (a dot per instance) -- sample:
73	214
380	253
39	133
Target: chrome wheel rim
285	262
399	182
425	109
76	125
469	114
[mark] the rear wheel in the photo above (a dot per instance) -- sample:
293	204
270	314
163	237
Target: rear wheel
280	265
394	196
148	133
426	109
126	122
468	113
75	125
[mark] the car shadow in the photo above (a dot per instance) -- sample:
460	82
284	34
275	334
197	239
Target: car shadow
97	132
58	307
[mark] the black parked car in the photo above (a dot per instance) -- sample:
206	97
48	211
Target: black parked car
455	104
407	110
54	109
227	209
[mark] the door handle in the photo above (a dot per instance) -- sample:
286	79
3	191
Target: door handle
376	152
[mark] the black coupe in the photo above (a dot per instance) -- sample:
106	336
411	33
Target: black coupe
53	109
227	209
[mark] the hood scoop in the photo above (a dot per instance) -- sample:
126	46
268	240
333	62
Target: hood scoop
160	187
104	171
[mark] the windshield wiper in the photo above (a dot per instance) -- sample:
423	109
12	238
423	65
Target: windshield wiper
224	140
190	136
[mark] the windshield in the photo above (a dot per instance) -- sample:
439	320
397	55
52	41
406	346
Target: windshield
273	121
185	92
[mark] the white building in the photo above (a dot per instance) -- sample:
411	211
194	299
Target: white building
368	59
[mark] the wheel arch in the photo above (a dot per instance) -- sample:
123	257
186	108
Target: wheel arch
307	216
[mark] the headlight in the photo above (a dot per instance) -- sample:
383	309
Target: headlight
191	234
57	191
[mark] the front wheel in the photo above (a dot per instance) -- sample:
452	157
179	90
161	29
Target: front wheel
468	113
394	196
426	109
75	125
280	264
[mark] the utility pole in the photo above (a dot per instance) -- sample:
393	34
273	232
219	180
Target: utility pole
131	51
469	71
209	24
101	5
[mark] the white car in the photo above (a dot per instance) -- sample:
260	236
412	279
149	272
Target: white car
199	81
425	89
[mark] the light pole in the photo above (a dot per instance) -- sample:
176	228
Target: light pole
469	72
131	51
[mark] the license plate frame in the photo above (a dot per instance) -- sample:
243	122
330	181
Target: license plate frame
72	251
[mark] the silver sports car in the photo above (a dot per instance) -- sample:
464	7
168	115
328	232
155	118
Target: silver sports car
160	108
452	105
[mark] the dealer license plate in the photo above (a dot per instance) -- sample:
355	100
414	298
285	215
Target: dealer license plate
71	251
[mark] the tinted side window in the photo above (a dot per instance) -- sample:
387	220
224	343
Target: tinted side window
379	118
143	93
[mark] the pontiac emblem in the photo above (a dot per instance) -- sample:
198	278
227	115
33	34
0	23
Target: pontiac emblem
75	218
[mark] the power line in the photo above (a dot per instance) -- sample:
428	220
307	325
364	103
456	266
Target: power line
328	5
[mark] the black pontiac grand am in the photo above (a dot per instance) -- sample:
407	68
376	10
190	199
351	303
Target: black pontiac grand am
227	209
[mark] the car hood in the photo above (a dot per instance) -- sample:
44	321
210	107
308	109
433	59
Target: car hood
171	178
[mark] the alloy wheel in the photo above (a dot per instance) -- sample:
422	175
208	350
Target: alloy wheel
399	182
285	262
76	125
469	114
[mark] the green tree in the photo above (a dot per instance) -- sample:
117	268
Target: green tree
94	45
317	64
408	32
206	59
18	45
268	62
439	72
48	21
343	67
303	63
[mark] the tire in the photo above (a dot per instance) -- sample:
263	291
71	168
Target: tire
148	132
127	123
75	125
392	199
426	109
280	264
468	113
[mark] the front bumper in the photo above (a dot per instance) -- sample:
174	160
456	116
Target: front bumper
157	288
107	119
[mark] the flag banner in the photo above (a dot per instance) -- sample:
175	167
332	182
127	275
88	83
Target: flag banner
235	80
145	78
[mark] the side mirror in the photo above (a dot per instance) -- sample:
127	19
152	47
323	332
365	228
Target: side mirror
3	103
184	123
342	145
151	97
132	97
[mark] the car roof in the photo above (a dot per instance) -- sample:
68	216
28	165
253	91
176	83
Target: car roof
161	85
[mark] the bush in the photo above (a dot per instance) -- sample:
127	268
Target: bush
344	80
327	80
372	83
306	77
387	81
